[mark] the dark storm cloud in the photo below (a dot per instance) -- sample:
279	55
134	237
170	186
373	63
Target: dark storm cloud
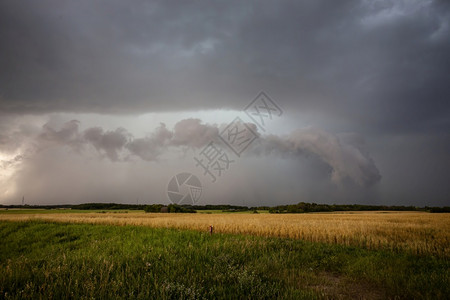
111	142
66	136
346	157
191	132
308	165
381	64
151	147
379	68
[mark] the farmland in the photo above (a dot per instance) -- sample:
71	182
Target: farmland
415	232
62	255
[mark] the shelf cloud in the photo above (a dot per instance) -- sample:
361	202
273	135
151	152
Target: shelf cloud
363	85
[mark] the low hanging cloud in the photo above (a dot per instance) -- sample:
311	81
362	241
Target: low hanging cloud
151	147
345	154
191	132
68	135
377	67
111	142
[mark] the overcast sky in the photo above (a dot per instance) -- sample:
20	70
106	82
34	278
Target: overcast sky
105	101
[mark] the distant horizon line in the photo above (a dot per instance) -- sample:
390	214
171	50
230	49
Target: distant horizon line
313	204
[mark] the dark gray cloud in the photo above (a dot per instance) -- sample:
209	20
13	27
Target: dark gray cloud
65	136
151	147
111	142
310	164
62	153
378	68
346	157
191	132
382	64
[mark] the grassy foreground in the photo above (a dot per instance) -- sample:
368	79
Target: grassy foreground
416	232
59	261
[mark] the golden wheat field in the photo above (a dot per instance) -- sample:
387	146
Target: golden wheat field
417	232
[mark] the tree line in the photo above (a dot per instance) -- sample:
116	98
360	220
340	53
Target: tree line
302	207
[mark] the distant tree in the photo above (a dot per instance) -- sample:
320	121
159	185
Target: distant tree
175	208
153	208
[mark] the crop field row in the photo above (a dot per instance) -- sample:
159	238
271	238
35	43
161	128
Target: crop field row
417	233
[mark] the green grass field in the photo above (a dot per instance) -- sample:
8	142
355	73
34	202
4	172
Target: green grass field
59	211
62	211
61	261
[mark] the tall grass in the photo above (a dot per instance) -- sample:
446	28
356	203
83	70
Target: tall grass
41	260
417	233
